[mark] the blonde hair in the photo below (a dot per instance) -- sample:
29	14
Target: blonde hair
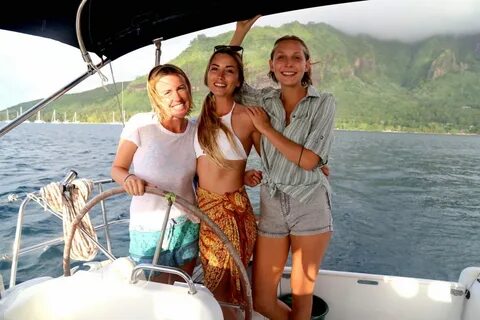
156	99
210	123
306	79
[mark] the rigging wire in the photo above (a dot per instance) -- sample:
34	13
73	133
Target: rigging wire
119	103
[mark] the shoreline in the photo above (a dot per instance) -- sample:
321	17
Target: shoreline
412	132
336	129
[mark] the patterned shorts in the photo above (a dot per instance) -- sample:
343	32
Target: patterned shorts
180	243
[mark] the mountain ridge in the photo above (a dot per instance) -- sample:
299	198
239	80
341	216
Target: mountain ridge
386	85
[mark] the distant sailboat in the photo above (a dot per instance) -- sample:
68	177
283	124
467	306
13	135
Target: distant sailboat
65	120
39	118
8	117
21	112
54	119
75	118
113	119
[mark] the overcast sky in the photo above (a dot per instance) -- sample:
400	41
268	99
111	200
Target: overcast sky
30	67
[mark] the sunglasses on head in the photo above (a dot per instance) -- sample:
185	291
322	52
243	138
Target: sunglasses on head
237	49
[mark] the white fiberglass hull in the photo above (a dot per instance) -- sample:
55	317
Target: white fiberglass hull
350	296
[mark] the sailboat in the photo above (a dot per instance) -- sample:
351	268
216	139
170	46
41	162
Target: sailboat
114	288
39	118
7	117
74	120
113	119
54	118
21	112
65	119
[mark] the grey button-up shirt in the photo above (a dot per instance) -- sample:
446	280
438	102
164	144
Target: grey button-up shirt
311	125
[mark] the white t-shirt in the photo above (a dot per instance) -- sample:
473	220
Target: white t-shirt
164	159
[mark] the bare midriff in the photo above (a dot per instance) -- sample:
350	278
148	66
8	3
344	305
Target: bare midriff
220	180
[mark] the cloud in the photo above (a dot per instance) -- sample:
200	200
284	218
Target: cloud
406	20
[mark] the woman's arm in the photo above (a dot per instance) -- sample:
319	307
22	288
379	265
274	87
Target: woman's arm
241	30
247	95
294	152
121	166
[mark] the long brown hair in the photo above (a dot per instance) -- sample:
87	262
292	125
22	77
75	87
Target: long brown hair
306	79
156	99
210	123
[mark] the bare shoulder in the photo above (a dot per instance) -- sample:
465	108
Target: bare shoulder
241	114
240	111
239	108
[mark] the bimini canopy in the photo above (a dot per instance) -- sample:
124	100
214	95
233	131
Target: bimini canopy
112	28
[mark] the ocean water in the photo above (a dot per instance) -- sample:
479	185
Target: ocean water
403	204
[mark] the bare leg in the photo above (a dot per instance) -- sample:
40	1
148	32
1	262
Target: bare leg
269	261
222	293
307	256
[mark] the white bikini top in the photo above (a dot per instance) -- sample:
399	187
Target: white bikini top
227	149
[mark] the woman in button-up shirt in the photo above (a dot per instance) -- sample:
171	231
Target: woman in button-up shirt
296	123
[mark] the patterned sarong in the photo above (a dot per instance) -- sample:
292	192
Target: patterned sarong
233	213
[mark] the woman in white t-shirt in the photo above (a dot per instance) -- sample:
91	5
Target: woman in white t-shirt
158	145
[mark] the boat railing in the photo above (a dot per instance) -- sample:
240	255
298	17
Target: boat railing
17	251
139	269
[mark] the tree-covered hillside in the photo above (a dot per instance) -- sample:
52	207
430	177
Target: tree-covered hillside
427	86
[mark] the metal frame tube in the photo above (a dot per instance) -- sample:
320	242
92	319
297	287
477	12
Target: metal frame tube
179	272
42	104
16	251
16	243
105	221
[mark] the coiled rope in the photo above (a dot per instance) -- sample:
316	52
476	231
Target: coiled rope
68	204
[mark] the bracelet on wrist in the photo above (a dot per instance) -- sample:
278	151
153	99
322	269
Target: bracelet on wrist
128	176
300	157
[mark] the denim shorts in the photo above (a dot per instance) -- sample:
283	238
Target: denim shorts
282	215
180	244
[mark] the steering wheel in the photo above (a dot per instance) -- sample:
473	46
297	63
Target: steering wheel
247	289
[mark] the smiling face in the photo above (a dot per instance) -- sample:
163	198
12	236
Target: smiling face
173	95
223	75
289	63
169	91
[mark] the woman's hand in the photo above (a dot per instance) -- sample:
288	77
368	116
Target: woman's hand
259	118
252	177
241	30
325	169
246	25
134	185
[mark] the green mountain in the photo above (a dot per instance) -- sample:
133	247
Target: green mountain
426	86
